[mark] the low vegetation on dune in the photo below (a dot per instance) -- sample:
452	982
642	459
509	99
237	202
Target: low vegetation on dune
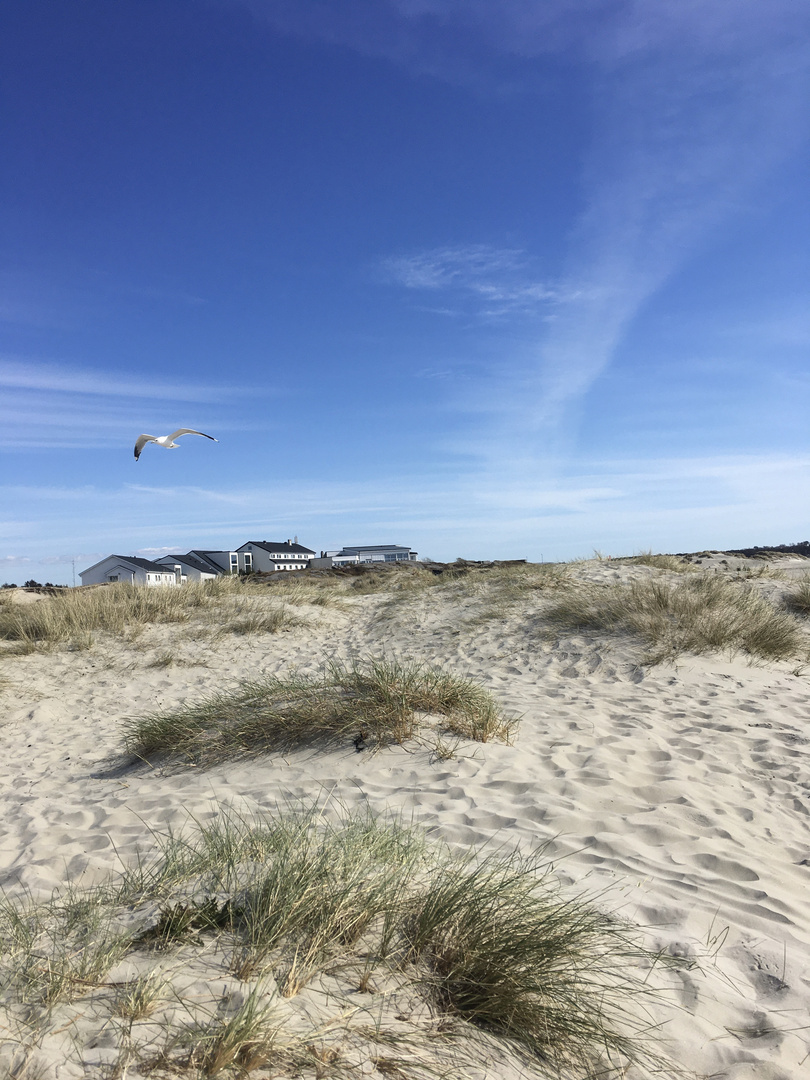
675	563
274	907
467	594
696	612
376	703
71	617
798	599
699	614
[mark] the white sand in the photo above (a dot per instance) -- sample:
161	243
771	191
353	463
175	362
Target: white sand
683	789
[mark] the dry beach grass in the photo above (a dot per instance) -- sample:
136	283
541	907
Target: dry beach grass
465	821
278	901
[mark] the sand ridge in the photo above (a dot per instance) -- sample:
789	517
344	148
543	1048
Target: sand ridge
680	793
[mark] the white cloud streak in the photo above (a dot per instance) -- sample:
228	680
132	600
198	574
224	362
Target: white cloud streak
45	405
683	142
695	103
19	374
489	282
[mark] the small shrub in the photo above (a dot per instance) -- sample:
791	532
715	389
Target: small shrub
185	921
164	659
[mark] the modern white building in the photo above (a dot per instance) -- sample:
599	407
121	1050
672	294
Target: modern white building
267	556
128	568
365	553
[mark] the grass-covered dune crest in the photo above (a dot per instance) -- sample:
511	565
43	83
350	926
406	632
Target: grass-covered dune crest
698	613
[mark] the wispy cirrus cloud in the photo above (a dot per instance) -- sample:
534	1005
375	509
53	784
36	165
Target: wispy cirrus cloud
43	404
695	103
484	281
27	374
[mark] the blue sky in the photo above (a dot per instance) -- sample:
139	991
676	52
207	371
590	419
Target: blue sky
514	279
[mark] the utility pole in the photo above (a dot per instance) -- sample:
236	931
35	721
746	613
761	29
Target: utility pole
74	572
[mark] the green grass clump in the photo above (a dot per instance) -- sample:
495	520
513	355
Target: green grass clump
141	997
376	701
497	947
700	614
485	940
51	954
246	1040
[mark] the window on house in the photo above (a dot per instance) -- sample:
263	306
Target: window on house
248	561
234	562
112	577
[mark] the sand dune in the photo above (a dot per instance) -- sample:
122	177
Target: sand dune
679	792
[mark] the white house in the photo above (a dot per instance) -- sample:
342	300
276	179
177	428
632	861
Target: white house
195	566
368	553
128	568
267	556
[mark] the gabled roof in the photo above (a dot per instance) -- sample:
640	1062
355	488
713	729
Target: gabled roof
199	553
129	560
144	564
273	548
194	559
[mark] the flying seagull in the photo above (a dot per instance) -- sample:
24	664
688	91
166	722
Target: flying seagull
167	440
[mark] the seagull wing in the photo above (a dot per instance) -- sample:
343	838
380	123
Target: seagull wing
141	443
190	431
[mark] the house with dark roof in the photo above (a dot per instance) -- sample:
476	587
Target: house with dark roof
263	556
128	568
267	556
195	566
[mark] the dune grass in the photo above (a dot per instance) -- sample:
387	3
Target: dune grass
470	595
246	1040
660	562
317	591
798	599
226	604
486	940
702	613
257	618
375	703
